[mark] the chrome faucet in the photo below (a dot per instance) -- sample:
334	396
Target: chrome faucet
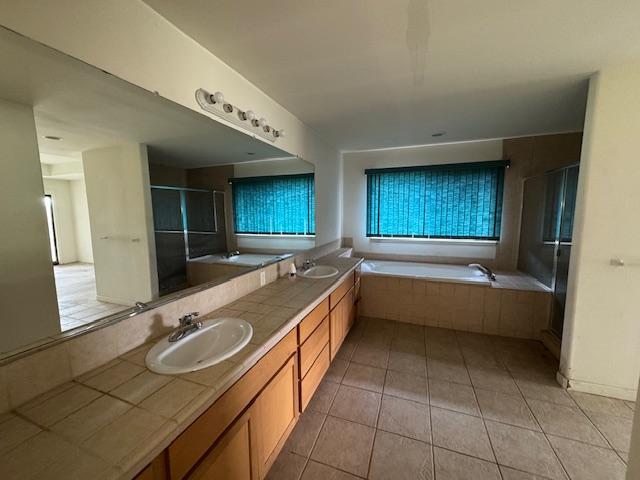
188	325
486	270
235	253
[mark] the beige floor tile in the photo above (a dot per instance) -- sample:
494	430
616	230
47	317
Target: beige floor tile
288	466
455	466
323	397
364	376
444	350
336	371
461	433
80	425
617	430
630	404
408	363
414	345
524	450
15	431
586	462
114	376
493	379
567	422
448	370
140	387
375	357
171	398
404	417
545	390
513	474
596	403
61	405
453	396
407	386
346	351
129	432
481	358
318	471
624	456
506	409
399	458
305	433
356	405
344	445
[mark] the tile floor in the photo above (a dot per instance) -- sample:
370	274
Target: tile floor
76	291
408	402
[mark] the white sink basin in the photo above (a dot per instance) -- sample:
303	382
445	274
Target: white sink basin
217	340
321	271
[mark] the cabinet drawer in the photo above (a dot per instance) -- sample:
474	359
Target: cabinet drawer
311	321
192	444
340	291
312	347
310	382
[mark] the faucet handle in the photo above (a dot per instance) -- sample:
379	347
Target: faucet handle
188	318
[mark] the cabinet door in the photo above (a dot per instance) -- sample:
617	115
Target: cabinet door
276	411
341	319
233	457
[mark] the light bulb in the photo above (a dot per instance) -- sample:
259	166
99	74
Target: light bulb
281	133
262	122
250	115
218	97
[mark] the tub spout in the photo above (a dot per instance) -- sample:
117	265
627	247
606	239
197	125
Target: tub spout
486	270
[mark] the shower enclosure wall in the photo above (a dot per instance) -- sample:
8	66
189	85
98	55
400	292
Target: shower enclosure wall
188	223
546	234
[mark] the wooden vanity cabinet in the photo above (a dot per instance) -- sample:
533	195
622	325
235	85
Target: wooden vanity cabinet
234	457
341	320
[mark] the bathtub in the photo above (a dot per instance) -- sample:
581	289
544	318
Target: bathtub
242	260
428	271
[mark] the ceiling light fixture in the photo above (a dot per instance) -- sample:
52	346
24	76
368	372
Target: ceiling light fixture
216	104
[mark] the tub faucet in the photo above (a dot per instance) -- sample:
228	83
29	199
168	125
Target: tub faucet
235	253
308	263
187	326
486	270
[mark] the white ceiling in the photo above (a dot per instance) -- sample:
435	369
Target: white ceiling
380	73
90	109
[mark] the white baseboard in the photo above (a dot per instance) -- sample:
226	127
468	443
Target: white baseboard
597	388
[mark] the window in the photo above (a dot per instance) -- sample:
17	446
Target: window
457	201
274	205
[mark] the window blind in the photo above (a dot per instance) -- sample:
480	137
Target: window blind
457	201
274	205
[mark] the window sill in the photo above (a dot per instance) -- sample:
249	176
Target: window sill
266	235
438	241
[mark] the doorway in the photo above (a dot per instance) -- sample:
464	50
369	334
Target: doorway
51	226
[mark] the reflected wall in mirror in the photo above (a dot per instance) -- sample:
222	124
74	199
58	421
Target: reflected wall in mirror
114	197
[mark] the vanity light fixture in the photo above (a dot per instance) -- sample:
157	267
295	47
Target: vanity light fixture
216	104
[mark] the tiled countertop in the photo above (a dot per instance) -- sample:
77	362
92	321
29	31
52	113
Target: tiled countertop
112	421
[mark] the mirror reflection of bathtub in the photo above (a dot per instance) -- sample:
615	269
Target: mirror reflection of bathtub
210	267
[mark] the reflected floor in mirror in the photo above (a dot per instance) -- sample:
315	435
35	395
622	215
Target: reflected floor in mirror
77	302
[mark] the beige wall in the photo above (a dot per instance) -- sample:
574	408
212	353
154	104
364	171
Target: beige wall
81	217
601	341
63	218
133	42
25	258
120	215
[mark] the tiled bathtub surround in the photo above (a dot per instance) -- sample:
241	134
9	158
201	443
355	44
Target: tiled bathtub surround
111	421
504	309
428	406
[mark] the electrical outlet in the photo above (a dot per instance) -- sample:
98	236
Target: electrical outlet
263	278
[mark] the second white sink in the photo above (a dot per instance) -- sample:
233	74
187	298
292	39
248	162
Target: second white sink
217	340
321	271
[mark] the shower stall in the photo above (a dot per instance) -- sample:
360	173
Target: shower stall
546	229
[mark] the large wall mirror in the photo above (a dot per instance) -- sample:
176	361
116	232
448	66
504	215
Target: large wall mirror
115	198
